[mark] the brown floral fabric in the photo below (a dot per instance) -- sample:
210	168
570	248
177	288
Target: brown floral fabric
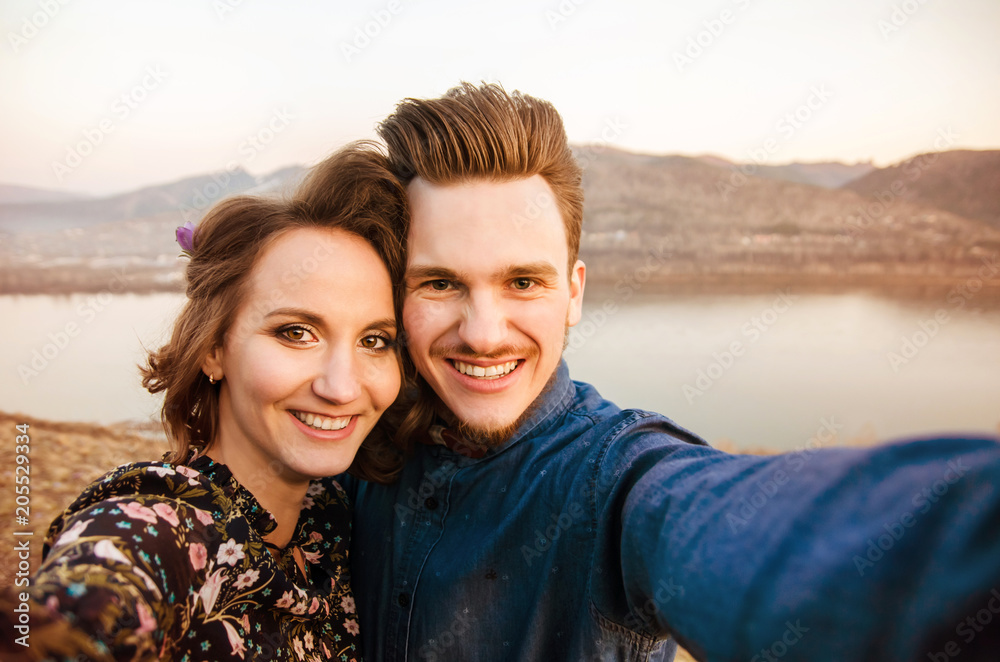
166	561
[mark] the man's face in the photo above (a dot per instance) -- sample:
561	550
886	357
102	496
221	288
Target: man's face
488	296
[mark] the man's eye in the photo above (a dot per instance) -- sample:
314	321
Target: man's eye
522	283
440	285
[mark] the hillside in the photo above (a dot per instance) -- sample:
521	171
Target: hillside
964	182
823	174
713	223
678	222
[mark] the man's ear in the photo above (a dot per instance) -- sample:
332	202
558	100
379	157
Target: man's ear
577	279
212	365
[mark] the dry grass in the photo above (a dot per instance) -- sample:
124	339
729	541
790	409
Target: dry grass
64	458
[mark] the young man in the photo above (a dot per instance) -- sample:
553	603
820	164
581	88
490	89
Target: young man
537	521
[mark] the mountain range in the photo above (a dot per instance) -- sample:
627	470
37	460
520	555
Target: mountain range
932	216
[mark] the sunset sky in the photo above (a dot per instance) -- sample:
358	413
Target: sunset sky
145	92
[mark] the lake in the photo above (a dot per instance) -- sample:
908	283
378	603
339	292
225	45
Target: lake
760	371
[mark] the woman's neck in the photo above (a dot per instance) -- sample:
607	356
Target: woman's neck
276	493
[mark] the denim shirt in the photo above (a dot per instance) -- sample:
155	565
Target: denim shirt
597	533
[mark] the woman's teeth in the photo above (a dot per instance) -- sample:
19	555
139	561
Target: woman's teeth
322	422
488	372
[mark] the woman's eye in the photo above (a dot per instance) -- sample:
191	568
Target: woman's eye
296	334
440	285
374	342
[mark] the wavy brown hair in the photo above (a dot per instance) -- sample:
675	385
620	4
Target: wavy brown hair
485	133
353	190
481	133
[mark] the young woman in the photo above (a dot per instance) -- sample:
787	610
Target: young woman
278	369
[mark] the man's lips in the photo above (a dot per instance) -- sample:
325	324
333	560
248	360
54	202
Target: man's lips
489	371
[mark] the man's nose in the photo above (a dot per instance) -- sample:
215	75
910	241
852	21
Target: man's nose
484	323
339	379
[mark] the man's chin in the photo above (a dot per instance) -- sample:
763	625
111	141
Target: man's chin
489	435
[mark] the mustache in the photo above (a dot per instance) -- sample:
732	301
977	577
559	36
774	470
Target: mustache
463	351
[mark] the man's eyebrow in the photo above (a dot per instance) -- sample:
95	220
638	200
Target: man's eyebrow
420	272
536	269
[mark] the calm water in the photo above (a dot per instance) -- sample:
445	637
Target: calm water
760	371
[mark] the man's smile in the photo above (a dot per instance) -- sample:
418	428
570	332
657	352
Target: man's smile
493	371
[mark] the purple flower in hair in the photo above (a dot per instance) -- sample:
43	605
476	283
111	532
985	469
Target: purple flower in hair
185	237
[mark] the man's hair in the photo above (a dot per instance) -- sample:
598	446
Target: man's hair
485	133
353	191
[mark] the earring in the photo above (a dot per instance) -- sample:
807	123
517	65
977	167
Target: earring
211	378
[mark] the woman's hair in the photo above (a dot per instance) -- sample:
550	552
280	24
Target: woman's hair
485	133
353	190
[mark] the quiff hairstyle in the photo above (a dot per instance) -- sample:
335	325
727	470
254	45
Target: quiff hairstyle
354	191
484	133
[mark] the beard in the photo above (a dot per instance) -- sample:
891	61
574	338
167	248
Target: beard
497	434
482	434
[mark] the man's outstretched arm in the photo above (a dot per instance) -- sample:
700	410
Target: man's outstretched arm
840	554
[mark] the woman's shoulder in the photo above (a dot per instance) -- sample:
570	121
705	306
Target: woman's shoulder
144	490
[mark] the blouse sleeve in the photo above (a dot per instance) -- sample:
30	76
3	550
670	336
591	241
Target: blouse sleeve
115	582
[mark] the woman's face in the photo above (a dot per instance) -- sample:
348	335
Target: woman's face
309	362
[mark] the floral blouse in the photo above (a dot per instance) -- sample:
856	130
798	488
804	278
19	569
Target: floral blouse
164	561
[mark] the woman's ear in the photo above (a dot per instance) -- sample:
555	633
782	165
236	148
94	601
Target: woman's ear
212	365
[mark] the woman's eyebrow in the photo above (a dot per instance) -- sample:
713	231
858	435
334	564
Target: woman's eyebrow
298	313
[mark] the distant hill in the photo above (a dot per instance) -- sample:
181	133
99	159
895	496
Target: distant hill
10	194
187	198
824	174
674	220
964	182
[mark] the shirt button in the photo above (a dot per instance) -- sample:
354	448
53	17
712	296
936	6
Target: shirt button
404	600
431	503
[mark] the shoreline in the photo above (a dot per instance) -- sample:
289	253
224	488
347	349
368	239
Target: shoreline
904	286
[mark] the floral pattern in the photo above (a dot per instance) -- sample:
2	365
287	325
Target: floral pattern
156	561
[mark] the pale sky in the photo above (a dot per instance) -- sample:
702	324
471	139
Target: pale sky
884	78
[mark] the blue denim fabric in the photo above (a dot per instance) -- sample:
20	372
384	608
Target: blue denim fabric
602	534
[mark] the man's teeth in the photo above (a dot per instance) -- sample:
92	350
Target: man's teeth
322	422
487	372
